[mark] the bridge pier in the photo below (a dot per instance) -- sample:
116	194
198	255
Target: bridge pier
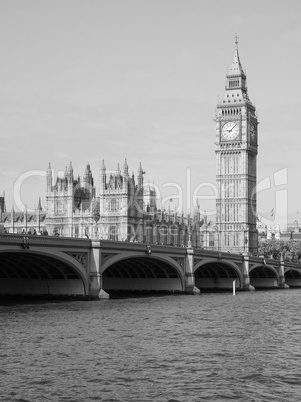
95	277
245	274
190	287
282	284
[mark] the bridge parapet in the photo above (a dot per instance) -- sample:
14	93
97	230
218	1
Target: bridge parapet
136	246
47	241
292	265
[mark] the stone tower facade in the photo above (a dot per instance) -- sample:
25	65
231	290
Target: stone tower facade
236	153
74	210
70	203
121	204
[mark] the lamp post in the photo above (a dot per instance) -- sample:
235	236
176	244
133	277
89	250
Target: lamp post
39	220
189	236
246	239
25	215
216	228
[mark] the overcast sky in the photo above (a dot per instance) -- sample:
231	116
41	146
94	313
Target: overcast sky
88	80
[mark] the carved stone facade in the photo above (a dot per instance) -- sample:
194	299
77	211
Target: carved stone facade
29	222
70	203
124	209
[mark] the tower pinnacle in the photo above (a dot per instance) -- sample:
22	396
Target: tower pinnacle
125	168
103	166
236	40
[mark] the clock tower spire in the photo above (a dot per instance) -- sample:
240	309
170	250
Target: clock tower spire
236	153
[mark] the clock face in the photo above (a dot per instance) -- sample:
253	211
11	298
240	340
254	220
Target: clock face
253	132
230	131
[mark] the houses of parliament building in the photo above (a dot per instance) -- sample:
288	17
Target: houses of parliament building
123	210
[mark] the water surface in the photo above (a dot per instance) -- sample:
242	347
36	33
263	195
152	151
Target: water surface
213	347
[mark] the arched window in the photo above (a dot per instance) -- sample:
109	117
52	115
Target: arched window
113	231
113	205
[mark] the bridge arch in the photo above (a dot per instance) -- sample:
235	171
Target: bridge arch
263	276
36	272
292	276
141	272
214	273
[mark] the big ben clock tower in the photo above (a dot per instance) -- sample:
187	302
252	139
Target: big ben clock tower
236	153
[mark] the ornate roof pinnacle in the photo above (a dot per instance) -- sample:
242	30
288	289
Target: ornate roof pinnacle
140	170
103	166
125	168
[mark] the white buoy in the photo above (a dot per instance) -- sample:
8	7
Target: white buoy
234	288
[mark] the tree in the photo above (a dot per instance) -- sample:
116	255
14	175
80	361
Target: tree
290	250
271	249
96	213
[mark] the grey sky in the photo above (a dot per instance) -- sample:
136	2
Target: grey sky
87	80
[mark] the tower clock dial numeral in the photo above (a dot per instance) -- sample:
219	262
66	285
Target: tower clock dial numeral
230	131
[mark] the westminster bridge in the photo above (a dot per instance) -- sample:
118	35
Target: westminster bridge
44	265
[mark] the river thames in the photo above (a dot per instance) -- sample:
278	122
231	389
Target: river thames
172	348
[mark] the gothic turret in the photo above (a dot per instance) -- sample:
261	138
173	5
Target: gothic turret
39	205
88	178
12	216
70	173
140	175
102	177
49	178
103	167
125	168
38	213
197	213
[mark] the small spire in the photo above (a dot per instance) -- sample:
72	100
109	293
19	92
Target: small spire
70	168
70	173
118	171
87	170
140	170
125	168
103	166
205	218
